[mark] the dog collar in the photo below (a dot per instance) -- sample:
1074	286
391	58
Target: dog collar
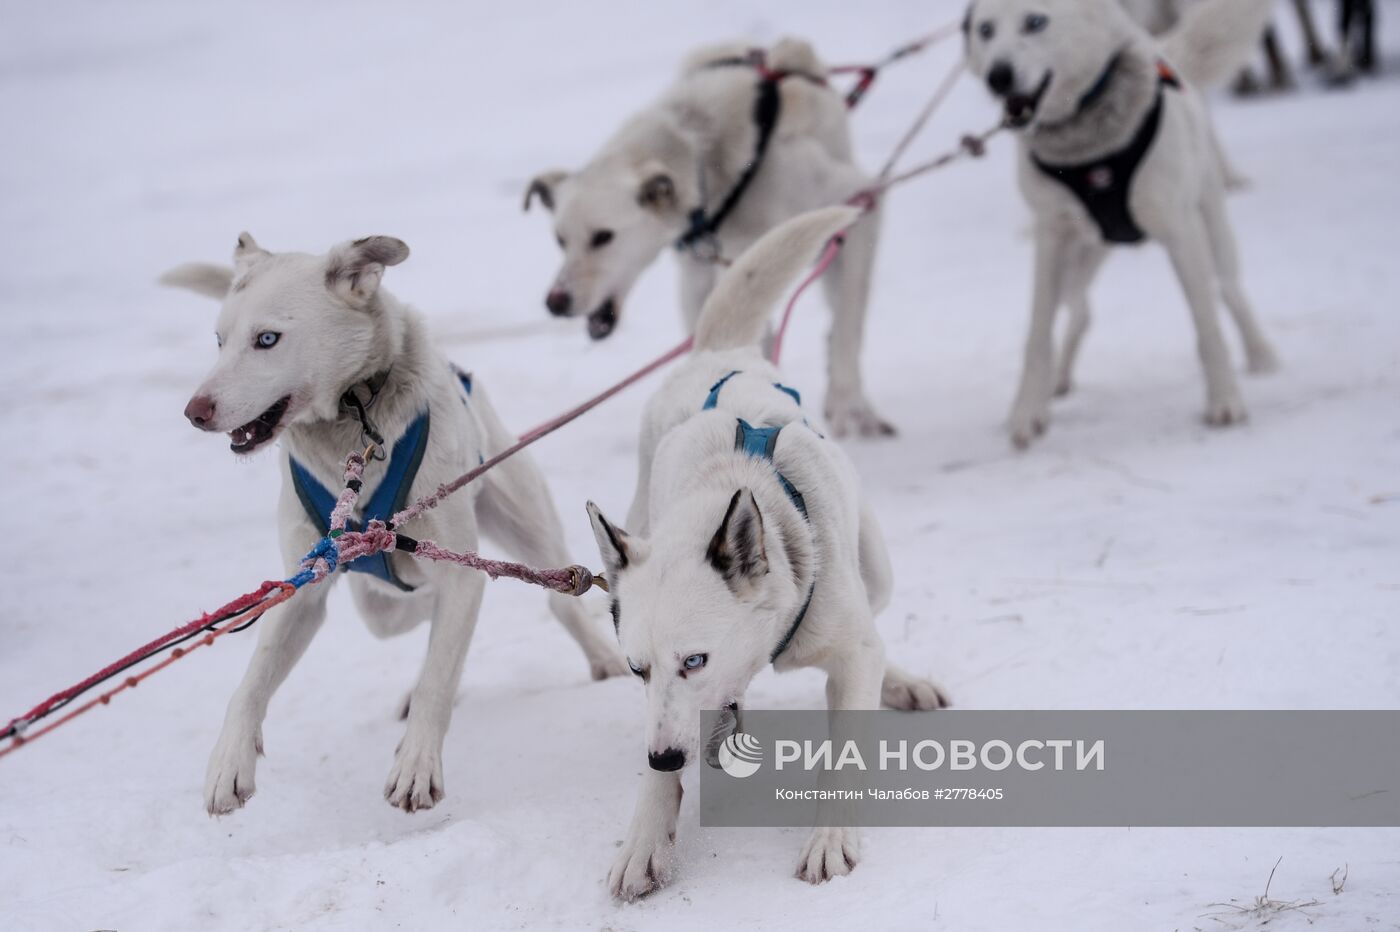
699	235
1102	185
350	399
1091	96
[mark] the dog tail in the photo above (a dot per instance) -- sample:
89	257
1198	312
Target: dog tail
1214	39
737	309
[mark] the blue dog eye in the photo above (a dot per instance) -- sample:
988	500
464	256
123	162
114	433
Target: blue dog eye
267	339
696	661
986	30
1035	22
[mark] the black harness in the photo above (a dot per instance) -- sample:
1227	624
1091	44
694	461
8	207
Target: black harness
1102	185
699	236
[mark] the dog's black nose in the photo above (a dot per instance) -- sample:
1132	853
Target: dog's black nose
668	760
200	411
558	301
1000	78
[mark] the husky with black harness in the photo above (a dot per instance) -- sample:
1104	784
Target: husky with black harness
748	543
1117	148
743	140
314	352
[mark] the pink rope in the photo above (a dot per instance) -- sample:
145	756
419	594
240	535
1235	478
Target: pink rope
354	474
530	436
833	246
867	200
560	580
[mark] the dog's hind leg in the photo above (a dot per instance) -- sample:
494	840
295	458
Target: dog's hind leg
906	692
1186	242
415	781
283	635
516	510
847	286
1259	354
875	568
1084	264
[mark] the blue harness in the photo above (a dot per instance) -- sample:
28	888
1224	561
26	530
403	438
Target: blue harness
386	500
760	442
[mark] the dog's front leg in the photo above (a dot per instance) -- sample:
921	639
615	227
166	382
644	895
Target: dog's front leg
283	635
644	863
852	685
1189	247
415	781
1030	414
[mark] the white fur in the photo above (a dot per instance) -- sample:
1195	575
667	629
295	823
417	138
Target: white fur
673	601
688	149
1177	196
338	327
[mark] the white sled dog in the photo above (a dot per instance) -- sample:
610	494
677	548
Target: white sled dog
749	544
737	145
1116	148
306	342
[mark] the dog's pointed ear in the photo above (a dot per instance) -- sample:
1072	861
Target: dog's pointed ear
617	547
246	252
736	551
542	186
657	190
204	278
353	269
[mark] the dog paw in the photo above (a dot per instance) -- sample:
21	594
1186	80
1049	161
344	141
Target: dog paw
829	852
229	783
1064	384
606	663
910	694
1222	412
415	782
1027	422
642	866
855	417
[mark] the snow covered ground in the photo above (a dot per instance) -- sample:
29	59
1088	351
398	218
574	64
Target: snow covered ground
1133	559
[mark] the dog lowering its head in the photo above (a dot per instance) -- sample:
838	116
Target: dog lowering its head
728	152
750	545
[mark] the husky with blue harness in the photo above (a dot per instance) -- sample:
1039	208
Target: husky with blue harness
748	544
314	353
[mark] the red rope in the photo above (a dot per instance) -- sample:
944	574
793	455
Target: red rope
257	609
530	436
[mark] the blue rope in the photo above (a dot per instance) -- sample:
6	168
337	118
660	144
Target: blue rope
325	548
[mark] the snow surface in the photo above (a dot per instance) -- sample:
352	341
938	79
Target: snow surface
1133	559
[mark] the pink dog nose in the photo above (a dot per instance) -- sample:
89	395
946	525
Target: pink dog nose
200	411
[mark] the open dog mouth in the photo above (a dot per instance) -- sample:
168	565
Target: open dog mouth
603	320
730	720
260	429
1020	108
